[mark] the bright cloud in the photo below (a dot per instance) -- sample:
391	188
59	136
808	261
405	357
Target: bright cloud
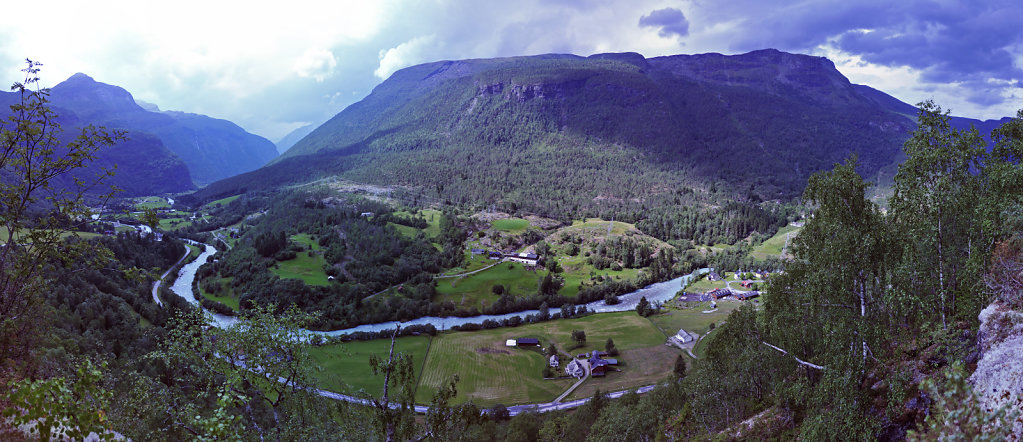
403	55
316	63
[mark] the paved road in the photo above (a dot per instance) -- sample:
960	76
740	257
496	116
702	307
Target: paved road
156	284
732	281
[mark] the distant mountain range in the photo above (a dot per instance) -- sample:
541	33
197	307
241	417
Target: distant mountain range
293	137
570	133
212	149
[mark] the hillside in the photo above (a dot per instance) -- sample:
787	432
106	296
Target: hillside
144	165
211	148
600	131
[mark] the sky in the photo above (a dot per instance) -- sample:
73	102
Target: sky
274	67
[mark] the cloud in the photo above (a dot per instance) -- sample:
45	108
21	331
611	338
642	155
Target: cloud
671	22
403	56
316	63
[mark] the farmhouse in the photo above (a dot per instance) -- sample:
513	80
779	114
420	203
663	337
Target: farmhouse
478	251
683	336
599	366
575	368
529	259
495	255
553	361
713	276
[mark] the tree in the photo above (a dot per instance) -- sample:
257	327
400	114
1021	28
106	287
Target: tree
680	367
643	307
395	415
936	198
579	337
41	204
257	367
610	348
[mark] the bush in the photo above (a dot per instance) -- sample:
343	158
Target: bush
611	299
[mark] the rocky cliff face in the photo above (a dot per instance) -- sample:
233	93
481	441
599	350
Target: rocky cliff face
999	375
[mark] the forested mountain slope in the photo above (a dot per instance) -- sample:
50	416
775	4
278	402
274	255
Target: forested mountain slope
211	148
144	165
609	130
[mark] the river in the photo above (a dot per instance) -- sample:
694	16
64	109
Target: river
658	292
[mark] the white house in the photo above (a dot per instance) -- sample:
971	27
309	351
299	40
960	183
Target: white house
553	362
529	259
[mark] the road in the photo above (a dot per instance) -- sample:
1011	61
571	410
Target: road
468	273
156	284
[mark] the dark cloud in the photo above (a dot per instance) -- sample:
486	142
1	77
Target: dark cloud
671	21
969	43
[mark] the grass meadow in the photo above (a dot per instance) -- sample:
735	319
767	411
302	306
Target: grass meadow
344	368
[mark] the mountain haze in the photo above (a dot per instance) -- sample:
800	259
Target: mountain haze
567	133
211	148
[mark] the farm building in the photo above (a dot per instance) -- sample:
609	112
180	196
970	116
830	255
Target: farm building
719	293
599	365
509	343
747	295
478	251
553	361
495	255
527	342
529	259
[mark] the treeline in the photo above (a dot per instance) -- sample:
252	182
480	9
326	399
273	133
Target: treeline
874	301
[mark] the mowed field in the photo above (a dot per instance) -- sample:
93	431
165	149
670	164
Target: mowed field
774	245
475	289
491	373
693	319
307	268
344	368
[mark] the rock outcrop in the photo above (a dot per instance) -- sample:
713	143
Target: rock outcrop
999	375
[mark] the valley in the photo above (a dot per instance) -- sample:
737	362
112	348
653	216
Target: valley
548	247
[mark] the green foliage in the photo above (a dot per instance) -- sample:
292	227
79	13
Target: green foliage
63	408
42	197
936	208
957	413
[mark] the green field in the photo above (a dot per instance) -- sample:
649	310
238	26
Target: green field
227	296
220	202
307	268
577	270
344	368
692	319
151	202
491	373
599	226
475	289
510	225
174	223
773	246
432	220
472	263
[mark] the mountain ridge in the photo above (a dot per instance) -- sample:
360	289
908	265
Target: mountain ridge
699	118
211	148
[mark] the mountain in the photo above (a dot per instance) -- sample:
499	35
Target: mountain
211	148
143	165
564	133
293	137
